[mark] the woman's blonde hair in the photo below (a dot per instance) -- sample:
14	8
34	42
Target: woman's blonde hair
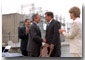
75	10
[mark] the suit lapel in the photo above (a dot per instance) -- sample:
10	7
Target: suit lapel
52	22
24	29
37	26
38	29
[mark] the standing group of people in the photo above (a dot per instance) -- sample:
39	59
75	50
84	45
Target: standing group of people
31	41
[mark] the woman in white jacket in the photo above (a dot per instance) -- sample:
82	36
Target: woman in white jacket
75	33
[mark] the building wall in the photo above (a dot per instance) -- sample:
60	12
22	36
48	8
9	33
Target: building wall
10	24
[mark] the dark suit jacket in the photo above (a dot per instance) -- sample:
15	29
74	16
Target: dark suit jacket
35	40
52	34
23	37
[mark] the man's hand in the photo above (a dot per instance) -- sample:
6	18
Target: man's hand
61	31
27	31
51	46
46	45
44	40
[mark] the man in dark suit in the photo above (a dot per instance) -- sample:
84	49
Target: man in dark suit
35	40
23	35
52	35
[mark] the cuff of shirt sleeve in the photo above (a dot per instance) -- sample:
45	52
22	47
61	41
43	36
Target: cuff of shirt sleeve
63	32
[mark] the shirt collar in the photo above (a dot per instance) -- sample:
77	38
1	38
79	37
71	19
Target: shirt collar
50	21
26	27
36	23
76	19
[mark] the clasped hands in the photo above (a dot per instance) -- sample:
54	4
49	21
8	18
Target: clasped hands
27	31
61	31
44	40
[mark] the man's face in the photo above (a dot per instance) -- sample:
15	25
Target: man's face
27	23
47	18
38	19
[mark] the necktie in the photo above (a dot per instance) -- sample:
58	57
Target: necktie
48	25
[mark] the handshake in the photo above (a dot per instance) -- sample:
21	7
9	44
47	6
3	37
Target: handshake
44	40
61	31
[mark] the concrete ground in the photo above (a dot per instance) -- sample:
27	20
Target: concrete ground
64	48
